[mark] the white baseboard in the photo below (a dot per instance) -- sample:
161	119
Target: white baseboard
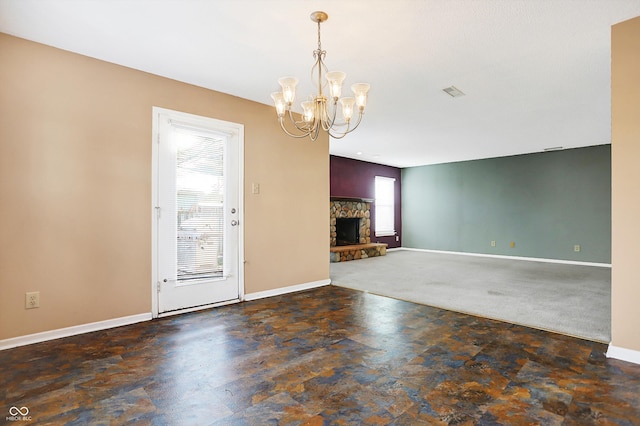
285	290
499	256
132	319
72	331
623	354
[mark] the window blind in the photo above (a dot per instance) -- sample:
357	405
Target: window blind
385	206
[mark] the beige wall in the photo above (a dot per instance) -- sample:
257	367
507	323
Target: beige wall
75	187
625	155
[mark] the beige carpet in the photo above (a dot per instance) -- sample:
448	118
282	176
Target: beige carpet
568	299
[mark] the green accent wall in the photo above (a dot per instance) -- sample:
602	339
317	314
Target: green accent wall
545	203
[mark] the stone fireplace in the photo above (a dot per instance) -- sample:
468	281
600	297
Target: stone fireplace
343	209
350	230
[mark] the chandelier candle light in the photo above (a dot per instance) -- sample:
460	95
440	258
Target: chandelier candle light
320	112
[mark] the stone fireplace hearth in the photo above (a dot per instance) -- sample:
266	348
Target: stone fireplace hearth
342	250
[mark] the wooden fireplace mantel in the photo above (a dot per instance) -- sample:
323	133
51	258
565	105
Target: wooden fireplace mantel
364	200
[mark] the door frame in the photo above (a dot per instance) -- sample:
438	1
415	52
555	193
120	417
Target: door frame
236	132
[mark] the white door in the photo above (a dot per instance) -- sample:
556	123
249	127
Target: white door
197	211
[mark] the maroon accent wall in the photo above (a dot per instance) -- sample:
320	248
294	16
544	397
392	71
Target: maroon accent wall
355	179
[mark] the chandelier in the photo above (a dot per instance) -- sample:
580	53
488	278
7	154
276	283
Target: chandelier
320	112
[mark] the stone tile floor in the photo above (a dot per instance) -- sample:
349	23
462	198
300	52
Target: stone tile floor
324	356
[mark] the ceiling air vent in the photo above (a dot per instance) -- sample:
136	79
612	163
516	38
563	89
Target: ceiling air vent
453	91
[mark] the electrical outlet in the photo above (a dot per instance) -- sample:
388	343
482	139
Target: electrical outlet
493	243
576	248
255	188
512	244
32	300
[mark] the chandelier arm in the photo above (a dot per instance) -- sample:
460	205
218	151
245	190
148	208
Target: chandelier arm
305	128
348	130
330	123
336	125
335	113
315	133
311	131
340	134
304	135
360	115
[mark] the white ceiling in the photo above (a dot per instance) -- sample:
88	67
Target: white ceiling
536	73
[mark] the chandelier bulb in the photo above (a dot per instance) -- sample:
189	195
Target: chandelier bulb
347	108
288	88
360	91
335	79
278	100
308	111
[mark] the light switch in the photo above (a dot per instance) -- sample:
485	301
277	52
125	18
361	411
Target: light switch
255	188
